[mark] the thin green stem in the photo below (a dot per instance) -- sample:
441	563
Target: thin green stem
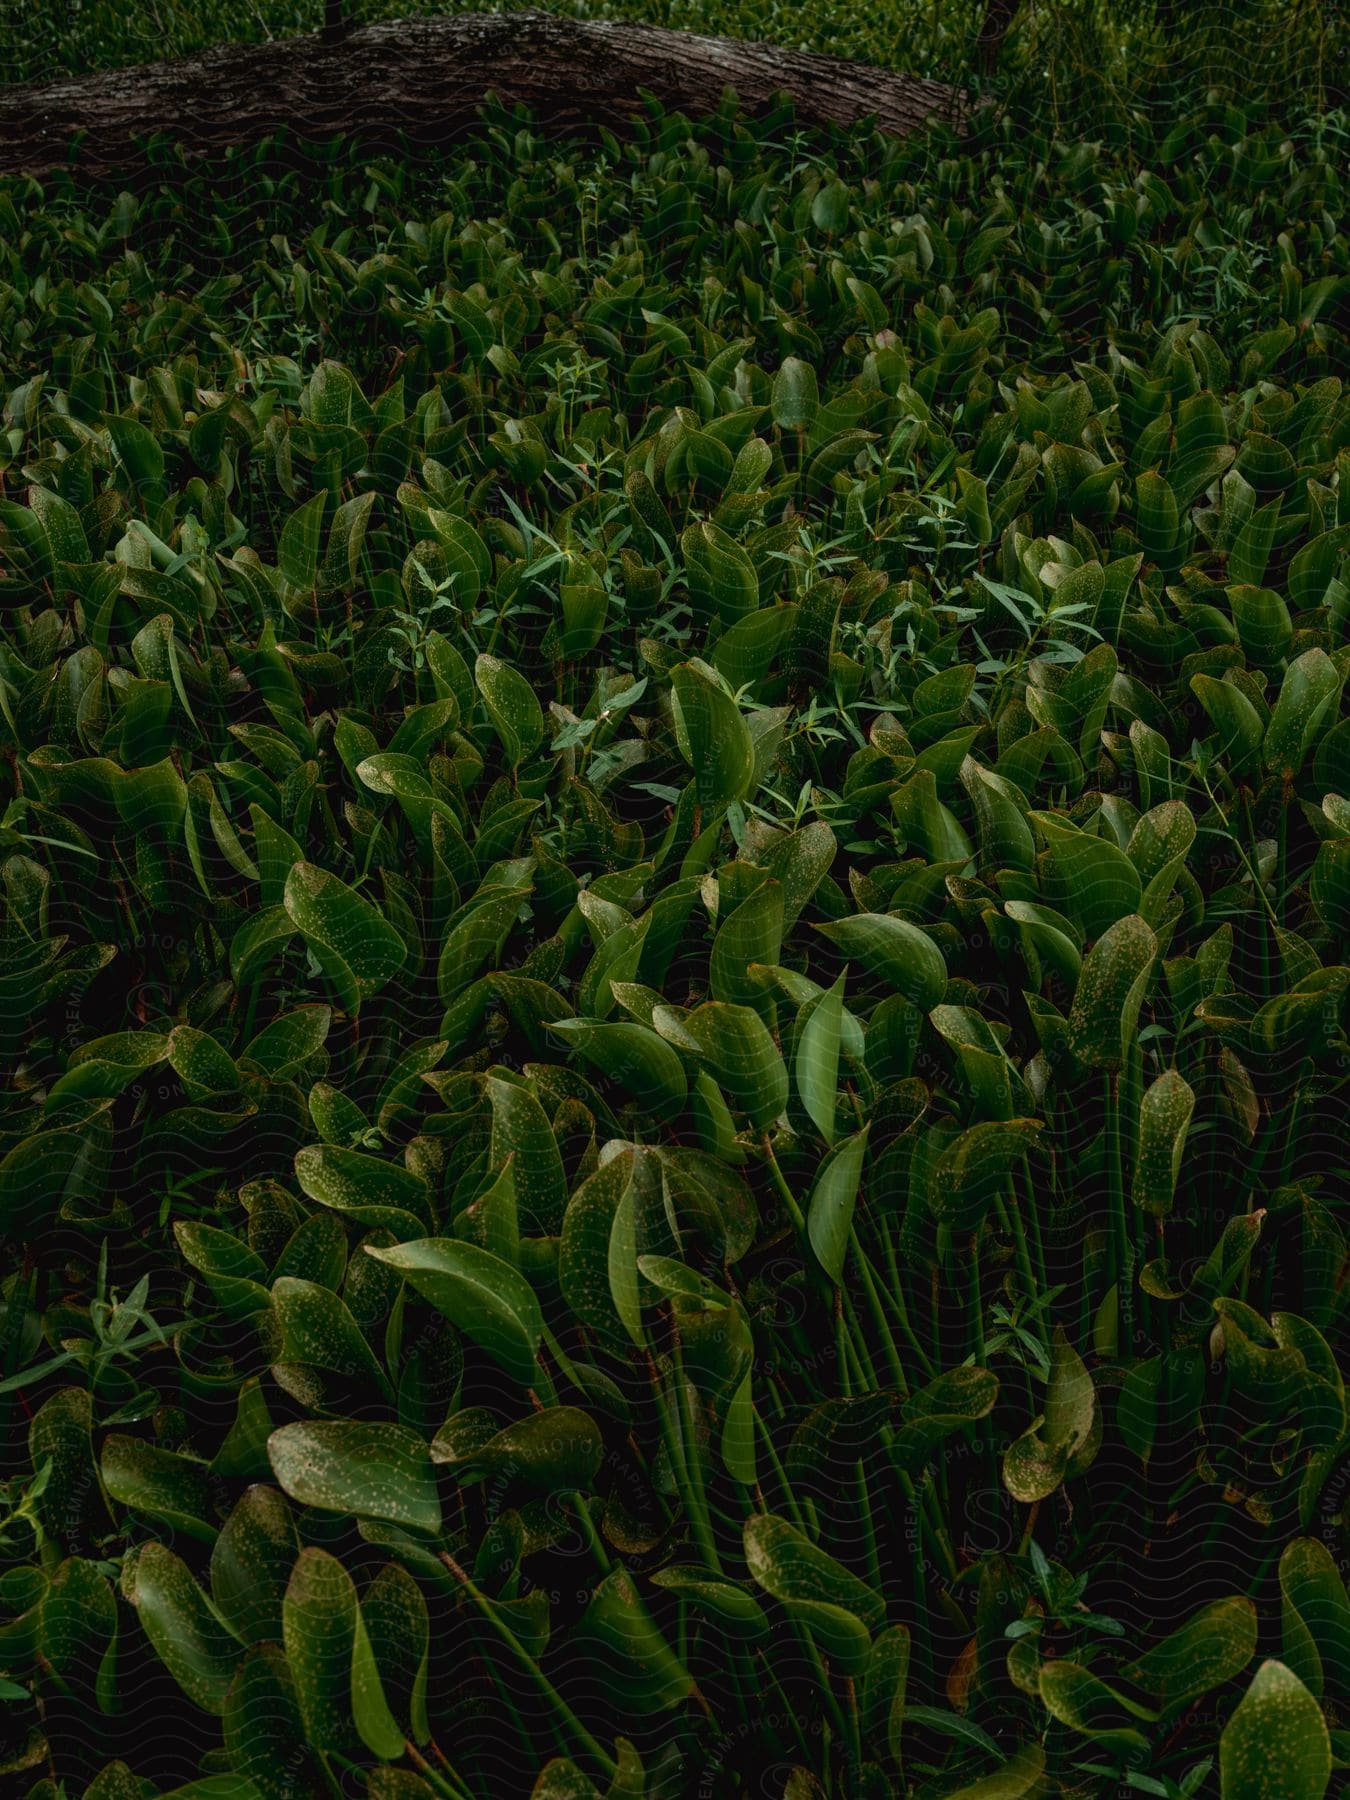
607	1765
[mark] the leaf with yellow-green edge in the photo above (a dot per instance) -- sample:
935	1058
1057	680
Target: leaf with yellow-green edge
106	1066
375	1723
1158	519
287	1043
1158	847
796	395
559	1779
752	933
373	1471
1235	719
258	941
732	1606
1089	878
488	1300
745	652
1213	1646
1276	1744
203	1066
1080	1699
738	1433
902	954
77	1630
298	545
1311	684
473	939
799	861
1066	1435
355	945
159	1483
597	1253
467	557
1315	1618
394	1611
948	1404
492	1219
971	1171
1019	1776
786	1564
60	1437
721	578
555	1450
319	1615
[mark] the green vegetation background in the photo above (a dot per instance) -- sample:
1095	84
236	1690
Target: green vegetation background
676	941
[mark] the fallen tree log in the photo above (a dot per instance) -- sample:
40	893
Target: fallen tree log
423	80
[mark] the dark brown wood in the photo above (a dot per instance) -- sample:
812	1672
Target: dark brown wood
427	77
999	16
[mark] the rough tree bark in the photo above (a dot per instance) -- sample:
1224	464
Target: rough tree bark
424	79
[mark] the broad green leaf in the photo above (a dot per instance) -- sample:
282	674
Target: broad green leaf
816	1064
486	1298
1213	1646
786	1564
373	1190
617	1644
829	1218
251	1564
642	1064
513	707
1276	1743
301	537
319	1618
1110	992
357	947
372	1471
737	1047
903	955
318	1331
1080	1699
264	1734
188	1634
1315	1617
1164	1119
712	735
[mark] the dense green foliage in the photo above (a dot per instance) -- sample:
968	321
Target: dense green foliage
676	855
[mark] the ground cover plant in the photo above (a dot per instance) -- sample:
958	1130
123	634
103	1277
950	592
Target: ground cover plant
676	853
